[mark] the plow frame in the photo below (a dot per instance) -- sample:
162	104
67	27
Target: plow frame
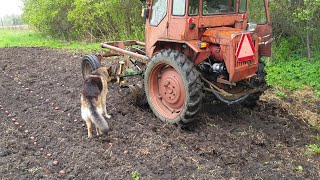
129	48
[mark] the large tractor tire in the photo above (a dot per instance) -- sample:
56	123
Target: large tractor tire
89	63
173	87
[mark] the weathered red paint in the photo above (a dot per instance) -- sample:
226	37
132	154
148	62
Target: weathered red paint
265	30
216	52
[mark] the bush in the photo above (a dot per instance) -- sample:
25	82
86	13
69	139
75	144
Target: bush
86	20
112	20
49	17
291	70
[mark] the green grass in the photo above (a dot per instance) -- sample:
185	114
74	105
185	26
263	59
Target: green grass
135	175
28	38
313	149
294	74
290	69
281	94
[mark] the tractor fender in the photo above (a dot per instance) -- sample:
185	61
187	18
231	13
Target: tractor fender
189	48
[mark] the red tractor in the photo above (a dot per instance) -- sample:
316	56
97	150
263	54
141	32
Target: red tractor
193	48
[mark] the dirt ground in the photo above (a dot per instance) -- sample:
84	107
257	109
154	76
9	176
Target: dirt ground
42	135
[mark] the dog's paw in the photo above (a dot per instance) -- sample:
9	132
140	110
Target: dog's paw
108	116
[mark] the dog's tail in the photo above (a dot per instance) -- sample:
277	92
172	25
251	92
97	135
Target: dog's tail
97	118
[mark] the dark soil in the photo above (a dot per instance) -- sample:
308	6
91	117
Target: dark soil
41	123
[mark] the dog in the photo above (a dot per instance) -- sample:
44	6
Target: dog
93	100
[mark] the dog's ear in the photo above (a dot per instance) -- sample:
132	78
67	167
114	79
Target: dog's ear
109	70
112	71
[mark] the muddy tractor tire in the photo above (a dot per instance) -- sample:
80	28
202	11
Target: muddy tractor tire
89	63
260	81
173	87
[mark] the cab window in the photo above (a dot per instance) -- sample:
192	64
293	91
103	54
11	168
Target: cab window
243	6
193	7
211	7
159	11
257	12
179	7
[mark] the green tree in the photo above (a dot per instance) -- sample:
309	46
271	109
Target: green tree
307	18
298	22
84	19
49	16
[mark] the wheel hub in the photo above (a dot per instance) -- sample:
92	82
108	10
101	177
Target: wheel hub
167	87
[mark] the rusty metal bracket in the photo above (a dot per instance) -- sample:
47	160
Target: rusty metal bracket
223	81
216	89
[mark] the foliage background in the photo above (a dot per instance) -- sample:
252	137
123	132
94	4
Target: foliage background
296	29
296	26
296	57
86	19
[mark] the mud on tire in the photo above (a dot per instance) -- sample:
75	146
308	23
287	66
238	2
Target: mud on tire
252	99
170	71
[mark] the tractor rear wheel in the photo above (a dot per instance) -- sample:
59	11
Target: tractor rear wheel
260	81
89	63
173	87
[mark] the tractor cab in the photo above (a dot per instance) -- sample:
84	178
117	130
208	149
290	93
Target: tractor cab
187	20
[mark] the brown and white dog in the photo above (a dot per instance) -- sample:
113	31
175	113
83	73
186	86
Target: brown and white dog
93	101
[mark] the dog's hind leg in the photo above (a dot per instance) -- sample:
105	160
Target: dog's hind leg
89	127
105	111
107	115
98	131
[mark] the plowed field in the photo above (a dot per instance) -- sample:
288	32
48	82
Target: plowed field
42	135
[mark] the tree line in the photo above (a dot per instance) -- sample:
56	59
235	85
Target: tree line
10	20
86	19
296	23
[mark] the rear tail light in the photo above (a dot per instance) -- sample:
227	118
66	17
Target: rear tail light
191	23
244	16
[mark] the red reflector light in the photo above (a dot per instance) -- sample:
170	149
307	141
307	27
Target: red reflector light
190	20
244	16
